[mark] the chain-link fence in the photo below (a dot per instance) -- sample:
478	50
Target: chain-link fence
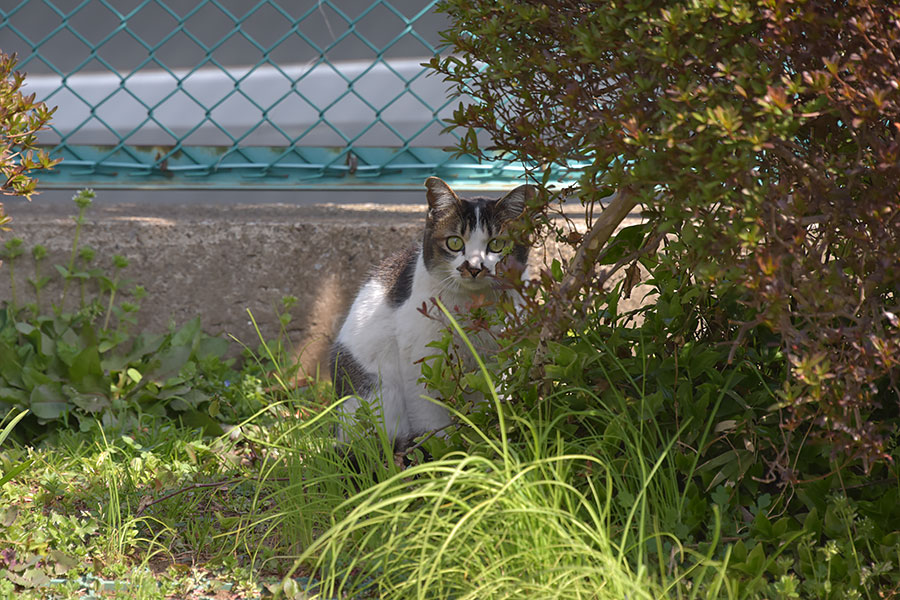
239	93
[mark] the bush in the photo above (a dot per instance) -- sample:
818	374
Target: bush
762	141
20	120
677	427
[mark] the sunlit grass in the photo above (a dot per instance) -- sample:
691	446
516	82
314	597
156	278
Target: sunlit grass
461	528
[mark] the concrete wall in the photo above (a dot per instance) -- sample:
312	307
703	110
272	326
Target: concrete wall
219	254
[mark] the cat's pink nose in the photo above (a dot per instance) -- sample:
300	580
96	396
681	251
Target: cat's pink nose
473	271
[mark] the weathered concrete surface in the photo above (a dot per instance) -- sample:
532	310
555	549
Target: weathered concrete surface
220	260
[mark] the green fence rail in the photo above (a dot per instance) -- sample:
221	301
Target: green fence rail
240	94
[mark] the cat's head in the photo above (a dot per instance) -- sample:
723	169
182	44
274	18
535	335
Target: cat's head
466	238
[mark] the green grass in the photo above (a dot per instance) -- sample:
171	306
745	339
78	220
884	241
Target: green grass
88	505
157	508
471	527
522	522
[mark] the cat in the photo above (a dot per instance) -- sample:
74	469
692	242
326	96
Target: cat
377	353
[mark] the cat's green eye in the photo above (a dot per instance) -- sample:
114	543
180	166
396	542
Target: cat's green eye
455	243
497	245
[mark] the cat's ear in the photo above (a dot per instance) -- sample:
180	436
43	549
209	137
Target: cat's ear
440	196
513	204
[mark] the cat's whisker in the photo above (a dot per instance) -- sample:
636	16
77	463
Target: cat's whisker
450	281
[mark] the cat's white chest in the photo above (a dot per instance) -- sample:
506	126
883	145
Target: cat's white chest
416	330
391	342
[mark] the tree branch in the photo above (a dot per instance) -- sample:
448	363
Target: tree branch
600	232
583	263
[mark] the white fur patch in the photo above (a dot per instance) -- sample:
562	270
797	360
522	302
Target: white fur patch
389	342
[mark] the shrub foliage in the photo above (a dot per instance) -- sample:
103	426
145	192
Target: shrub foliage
762	140
20	120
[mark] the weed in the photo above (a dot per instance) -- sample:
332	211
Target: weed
80	364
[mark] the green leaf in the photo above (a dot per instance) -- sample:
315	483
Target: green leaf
556	270
24	328
48	402
64	562
755	560
89	403
187	335
85	371
10	367
168	364
7	429
739	552
134	374
209	346
15	471
107	345
173	391
67	348
15	396
189	401
200	419
626	241
705	360
812	523
47	345
32	377
34	577
143	346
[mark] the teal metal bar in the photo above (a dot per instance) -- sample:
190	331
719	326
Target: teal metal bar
308	168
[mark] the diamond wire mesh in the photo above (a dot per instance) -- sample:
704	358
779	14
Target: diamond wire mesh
231	93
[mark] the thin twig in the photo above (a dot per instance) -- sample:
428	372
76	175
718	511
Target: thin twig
194	486
740	336
430	435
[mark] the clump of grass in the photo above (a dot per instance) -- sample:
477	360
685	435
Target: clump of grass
501	520
471	527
